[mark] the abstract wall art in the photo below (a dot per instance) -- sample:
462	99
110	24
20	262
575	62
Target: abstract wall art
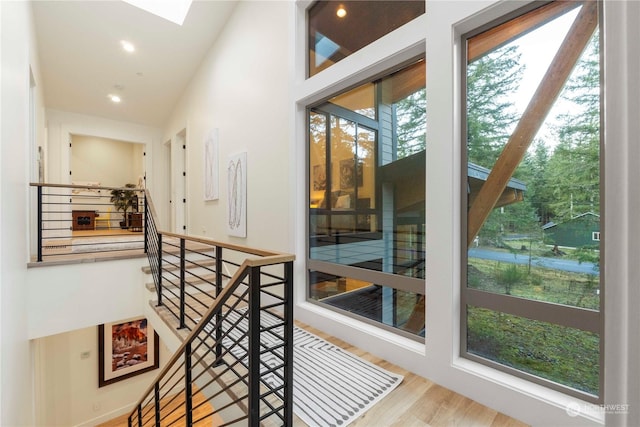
237	195
211	166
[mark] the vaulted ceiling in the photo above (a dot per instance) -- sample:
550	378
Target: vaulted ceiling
82	61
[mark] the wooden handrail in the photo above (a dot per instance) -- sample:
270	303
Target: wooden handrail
220	300
218	304
232	246
262	258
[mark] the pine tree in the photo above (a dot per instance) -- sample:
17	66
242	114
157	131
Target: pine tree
574	168
412	125
491	82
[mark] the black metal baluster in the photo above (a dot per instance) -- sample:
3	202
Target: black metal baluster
254	347
187	387
39	223
156	395
288	339
146	224
159	272
218	316
182	284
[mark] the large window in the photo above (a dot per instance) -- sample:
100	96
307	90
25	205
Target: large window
338	29
367	200
532	294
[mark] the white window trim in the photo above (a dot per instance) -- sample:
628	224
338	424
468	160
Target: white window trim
518	398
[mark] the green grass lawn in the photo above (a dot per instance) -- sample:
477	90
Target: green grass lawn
541	284
560	354
564	355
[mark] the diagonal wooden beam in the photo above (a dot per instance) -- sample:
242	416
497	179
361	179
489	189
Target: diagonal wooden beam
556	76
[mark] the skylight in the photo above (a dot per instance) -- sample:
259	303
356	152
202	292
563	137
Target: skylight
171	10
325	47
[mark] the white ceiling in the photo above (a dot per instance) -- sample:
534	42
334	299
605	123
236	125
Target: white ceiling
81	59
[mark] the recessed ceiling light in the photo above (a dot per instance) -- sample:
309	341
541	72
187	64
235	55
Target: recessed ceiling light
341	12
115	98
128	46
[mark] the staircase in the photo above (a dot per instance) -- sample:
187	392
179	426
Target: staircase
221	300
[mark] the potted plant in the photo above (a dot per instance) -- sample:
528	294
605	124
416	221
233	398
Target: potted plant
124	199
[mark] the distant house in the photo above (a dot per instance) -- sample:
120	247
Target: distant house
582	230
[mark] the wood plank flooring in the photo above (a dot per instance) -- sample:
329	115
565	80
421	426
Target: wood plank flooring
201	415
416	402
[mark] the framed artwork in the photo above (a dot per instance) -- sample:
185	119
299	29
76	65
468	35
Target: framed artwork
211	166
40	164
319	178
125	349
237	194
349	175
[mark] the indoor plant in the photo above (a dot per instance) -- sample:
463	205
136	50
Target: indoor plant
124	199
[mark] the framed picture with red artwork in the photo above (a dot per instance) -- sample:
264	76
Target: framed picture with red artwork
125	349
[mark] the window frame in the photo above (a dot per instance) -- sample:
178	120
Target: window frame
385	279
566	316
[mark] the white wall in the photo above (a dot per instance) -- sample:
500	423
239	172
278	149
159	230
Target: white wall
70	383
241	88
110	162
65	304
18	53
62	298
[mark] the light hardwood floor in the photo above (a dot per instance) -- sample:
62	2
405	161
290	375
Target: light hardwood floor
416	402
203	409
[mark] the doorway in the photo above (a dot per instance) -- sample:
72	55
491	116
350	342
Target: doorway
178	168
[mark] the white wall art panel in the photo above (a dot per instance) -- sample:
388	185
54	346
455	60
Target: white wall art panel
237	194
211	166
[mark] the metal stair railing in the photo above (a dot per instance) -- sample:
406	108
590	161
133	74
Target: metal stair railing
152	241
75	220
235	366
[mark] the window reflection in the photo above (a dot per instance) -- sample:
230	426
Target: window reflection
334	35
367	196
393	307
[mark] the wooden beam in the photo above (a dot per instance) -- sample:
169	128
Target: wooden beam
504	33
556	76
408	81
